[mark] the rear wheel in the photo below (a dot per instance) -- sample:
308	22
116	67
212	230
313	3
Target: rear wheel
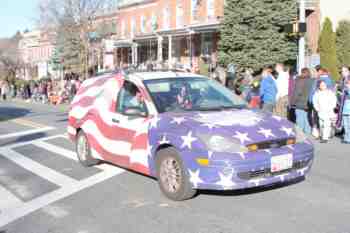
172	176
84	152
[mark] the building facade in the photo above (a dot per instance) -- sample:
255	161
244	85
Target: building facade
36	49
166	31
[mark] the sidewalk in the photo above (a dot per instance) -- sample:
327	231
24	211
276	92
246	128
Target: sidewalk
25	103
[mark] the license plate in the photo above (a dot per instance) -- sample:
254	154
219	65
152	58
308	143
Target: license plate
281	162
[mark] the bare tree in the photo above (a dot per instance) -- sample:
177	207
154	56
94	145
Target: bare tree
10	61
82	14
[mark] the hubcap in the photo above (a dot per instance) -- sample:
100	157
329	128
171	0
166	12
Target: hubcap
82	148
170	175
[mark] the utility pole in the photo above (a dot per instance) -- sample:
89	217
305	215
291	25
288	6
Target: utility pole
302	19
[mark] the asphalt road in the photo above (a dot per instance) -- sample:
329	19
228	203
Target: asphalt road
44	189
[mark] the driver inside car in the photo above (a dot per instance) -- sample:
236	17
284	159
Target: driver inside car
184	98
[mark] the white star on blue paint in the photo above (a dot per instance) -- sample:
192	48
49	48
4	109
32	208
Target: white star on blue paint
288	131
267	133
164	140
277	118
149	150
226	181
209	125
242	155
257	182
154	122
188	140
195	179
178	120
242	137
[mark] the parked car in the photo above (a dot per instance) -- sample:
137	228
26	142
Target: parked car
186	130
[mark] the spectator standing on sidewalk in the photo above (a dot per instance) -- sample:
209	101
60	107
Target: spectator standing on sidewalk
282	82
324	102
230	76
345	72
318	75
345	111
5	88
299	100
268	90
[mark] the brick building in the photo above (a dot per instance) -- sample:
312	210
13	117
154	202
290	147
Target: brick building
35	49
166	31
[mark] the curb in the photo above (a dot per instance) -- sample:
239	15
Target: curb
61	107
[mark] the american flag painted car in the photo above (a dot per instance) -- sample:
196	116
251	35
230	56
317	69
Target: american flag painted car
186	130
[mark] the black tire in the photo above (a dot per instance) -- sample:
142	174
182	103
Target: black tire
86	160
184	190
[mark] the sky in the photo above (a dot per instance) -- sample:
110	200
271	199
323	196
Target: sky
336	12
17	15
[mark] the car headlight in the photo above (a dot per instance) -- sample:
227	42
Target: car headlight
218	143
300	136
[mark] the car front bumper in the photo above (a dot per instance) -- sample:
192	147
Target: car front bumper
241	171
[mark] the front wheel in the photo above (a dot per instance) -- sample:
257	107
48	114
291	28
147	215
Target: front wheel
172	176
84	152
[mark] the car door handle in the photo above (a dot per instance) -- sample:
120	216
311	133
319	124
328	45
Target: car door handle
115	120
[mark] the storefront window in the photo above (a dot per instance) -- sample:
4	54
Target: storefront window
207	44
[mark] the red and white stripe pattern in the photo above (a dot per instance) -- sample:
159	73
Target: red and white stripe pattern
92	110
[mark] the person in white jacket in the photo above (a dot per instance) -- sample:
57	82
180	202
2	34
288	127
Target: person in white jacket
325	102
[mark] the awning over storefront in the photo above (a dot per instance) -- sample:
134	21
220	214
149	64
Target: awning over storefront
123	43
211	27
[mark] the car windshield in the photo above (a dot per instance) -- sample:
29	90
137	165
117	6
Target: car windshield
191	94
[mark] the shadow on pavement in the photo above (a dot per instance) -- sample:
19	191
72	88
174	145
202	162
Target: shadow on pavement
61	120
10	113
29	137
251	191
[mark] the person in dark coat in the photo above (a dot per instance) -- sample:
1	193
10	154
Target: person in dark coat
300	100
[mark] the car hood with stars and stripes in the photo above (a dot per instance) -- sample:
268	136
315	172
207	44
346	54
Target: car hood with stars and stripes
245	126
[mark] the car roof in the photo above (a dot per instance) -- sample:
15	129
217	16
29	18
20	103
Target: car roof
162	75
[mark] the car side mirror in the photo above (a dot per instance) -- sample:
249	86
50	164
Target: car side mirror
135	112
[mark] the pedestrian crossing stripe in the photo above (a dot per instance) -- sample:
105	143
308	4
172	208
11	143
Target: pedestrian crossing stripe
13	208
20	144
25	133
25	122
36	168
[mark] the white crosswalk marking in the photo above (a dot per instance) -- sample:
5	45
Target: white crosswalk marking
40	202
56	149
11	208
38	169
8	200
19	144
25	133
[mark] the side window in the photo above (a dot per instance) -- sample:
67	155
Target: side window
130	101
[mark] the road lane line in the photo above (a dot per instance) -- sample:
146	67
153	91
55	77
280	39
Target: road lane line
25	133
29	123
8	200
20	144
36	168
40	202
